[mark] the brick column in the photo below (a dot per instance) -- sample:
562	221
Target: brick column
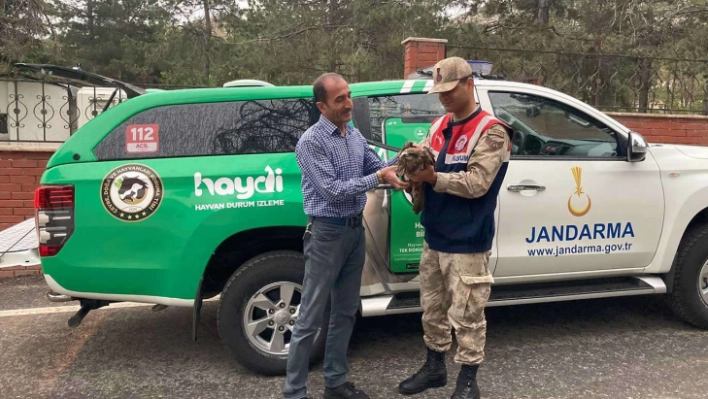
422	53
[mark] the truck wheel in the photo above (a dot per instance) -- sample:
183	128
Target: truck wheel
689	297
259	306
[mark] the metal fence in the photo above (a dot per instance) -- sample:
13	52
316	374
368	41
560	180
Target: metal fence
49	110
609	82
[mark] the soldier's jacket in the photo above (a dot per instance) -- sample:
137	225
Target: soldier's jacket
472	156
483	165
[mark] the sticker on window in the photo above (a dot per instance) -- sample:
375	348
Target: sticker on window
142	138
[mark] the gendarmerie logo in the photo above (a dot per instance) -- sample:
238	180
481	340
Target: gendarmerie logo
585	208
131	192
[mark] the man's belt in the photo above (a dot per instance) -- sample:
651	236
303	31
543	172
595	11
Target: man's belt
354	221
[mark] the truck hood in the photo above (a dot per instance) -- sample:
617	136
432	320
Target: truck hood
693	151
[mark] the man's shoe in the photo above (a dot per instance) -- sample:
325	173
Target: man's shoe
344	391
467	383
433	374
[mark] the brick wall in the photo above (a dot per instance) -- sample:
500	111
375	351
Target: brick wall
20	171
667	129
17	271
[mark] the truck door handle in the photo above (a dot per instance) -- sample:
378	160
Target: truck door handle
521	187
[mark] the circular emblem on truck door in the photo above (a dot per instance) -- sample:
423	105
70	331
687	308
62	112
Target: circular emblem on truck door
131	192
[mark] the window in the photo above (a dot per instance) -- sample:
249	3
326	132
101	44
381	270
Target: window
543	127
412	108
245	127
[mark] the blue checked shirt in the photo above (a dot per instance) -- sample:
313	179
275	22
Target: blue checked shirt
337	170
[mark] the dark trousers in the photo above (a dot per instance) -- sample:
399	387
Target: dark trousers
334	259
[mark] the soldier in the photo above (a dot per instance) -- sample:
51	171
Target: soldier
472	150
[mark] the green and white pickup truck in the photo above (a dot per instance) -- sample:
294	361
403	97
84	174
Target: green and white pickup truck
174	197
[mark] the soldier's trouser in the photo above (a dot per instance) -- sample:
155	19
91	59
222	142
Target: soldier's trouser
454	289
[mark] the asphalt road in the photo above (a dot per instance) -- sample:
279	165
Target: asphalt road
612	348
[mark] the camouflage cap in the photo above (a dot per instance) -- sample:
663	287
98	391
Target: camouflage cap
448	72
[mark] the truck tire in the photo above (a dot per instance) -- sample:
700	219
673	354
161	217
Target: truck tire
691	278
255	316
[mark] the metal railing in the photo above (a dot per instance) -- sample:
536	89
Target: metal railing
50	110
609	82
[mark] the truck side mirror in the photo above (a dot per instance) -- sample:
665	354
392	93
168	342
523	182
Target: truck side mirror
636	147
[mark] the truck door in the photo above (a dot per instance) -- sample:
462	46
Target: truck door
571	202
392	120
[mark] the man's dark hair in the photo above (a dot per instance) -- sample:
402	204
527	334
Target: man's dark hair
319	86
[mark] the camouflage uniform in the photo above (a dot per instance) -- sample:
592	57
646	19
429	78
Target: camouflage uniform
472	158
455	287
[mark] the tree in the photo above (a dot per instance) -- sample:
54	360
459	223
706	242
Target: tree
22	27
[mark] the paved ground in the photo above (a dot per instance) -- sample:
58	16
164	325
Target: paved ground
615	348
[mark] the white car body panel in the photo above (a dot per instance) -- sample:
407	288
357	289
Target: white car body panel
685	182
672	179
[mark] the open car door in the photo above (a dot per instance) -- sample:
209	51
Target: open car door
82	77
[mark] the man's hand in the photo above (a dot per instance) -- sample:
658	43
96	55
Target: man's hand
388	174
427	175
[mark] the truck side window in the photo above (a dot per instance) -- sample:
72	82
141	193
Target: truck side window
390	113
544	127
243	127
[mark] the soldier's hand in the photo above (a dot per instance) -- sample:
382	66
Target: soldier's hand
427	175
389	176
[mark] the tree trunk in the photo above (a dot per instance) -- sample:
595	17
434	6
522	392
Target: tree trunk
644	84
89	18
207	31
544	11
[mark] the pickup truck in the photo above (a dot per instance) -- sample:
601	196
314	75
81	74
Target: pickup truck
174	197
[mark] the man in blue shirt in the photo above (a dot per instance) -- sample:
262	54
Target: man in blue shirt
338	168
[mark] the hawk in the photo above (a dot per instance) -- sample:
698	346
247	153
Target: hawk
412	160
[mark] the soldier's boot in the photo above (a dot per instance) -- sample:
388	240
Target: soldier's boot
467	383
433	374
